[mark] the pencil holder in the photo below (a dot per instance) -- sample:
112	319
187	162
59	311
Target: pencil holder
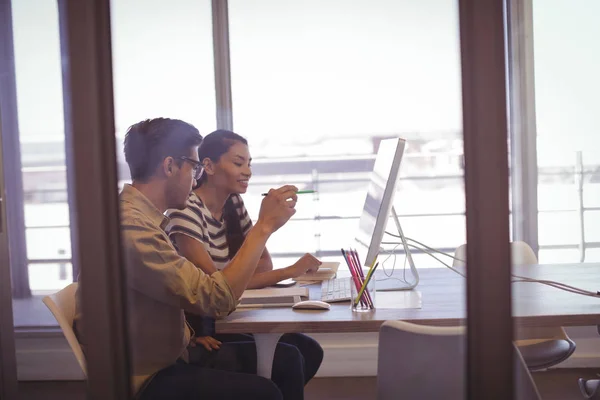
366	301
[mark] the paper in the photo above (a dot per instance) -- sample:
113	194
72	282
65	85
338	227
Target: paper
273	297
326	271
275	292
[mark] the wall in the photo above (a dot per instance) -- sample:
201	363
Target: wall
45	355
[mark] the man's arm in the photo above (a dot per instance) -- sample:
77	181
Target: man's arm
265	263
241	268
155	269
275	210
193	250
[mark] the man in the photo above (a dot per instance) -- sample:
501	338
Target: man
163	161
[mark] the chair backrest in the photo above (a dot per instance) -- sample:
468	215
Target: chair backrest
62	306
425	362
521	254
460	256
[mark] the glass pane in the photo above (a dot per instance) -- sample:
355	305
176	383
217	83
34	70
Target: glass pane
40	106
337	233
592	255
36	185
591	192
558	256
47	214
567	122
162	64
557	228
41	128
339	122
45	278
39	80
422	194
557	192
592	226
303	233
316	86
50	243
313	47
565	55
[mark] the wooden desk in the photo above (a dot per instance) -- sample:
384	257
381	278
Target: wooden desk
443	304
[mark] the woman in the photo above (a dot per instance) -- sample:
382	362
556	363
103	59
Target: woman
210	231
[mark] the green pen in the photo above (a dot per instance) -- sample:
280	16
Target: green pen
298	192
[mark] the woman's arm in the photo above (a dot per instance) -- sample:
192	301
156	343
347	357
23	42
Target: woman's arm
265	263
264	276
194	251
306	263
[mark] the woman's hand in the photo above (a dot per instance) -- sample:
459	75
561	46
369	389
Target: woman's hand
306	264
208	342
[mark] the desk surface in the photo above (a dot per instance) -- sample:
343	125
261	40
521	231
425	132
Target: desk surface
443	304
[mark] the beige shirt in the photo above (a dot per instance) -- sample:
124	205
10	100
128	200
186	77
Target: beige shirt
161	285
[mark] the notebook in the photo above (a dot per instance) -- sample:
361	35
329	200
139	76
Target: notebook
327	270
272	297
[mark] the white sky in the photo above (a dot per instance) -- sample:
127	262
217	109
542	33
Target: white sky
303	70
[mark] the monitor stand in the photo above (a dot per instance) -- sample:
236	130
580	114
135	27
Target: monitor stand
386	284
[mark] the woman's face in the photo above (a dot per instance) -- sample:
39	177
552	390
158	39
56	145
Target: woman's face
233	171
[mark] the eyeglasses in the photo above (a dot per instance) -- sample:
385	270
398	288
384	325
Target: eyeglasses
196	166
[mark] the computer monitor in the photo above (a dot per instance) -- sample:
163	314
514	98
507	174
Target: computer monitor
379	206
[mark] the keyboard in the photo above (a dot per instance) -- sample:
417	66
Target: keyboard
337	289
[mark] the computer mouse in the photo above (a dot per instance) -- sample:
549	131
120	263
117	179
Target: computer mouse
311	305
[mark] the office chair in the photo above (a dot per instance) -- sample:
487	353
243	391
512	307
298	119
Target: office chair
62	306
590	388
541	347
427	362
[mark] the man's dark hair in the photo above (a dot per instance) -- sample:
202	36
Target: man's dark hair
149	142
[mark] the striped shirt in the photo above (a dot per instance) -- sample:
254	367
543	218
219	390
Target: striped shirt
197	222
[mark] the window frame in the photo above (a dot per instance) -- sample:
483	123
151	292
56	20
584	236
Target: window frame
11	229
523	130
489	366
11	159
90	130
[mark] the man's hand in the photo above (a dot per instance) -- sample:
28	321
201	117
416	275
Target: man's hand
306	263
208	342
277	207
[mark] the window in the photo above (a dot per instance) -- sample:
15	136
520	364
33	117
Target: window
162	63
163	66
567	58
314	92
41	126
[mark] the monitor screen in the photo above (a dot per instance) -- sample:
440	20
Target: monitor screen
380	196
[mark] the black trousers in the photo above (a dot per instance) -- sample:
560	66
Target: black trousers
311	352
230	372
182	381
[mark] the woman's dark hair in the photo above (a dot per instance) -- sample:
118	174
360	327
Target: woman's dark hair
213	146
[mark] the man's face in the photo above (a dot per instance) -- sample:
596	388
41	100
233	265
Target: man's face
180	183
